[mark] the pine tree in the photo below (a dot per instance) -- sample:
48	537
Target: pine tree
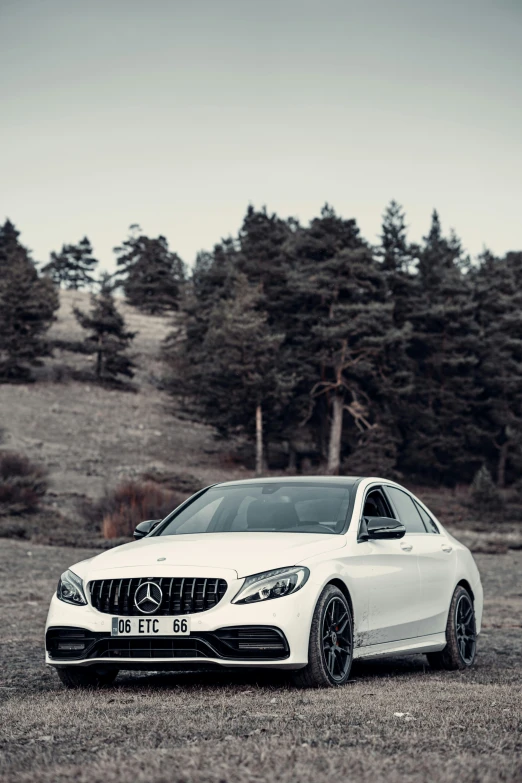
262	256
212	281
27	307
484	494
439	431
256	256
231	377
151	275
73	266
498	307
395	251
107	338
395	256
345	326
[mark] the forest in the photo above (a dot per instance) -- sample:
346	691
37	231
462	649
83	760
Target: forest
326	352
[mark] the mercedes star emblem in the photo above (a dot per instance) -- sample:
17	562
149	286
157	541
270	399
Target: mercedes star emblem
148	597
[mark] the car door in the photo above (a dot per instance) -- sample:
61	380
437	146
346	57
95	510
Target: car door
392	579
436	559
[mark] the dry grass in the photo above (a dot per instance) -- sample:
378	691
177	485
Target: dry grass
240	728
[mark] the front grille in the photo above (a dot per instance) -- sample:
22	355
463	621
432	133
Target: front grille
247	642
180	596
163	647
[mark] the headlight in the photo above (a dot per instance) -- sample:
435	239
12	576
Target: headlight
272	584
70	589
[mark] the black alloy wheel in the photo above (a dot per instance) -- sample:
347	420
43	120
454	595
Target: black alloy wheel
461	635
465	629
330	648
337	642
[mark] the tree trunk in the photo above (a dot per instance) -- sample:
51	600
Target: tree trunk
99	355
336	431
292	459
501	468
259	441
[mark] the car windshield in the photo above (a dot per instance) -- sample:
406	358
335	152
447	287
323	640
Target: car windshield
271	507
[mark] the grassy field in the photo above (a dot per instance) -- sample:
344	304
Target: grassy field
395	720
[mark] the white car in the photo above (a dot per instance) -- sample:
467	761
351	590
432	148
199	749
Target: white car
303	574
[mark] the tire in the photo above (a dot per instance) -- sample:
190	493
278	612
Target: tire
461	635
76	677
330	648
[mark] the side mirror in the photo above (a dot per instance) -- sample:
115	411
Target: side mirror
144	528
381	528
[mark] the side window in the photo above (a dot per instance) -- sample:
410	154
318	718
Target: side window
375	505
429	524
407	510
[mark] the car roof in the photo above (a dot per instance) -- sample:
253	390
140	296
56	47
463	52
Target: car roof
348	481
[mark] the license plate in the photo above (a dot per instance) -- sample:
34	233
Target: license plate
150	626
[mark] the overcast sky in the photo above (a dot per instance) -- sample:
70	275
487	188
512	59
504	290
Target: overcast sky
176	114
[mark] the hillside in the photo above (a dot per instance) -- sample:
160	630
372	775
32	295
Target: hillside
90	437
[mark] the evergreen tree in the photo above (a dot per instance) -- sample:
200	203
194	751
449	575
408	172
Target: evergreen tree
73	266
498	308
107	338
213	279
27	307
262	256
396	258
346	328
484	494
151	275
439	432
231	377
395	251
257	256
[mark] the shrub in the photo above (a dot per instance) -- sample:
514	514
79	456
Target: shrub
484	493
130	503
184	483
22	483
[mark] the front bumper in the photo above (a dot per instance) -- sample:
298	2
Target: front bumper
274	634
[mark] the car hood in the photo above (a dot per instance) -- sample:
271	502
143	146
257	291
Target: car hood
244	553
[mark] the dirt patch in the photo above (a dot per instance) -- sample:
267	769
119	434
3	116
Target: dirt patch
245	727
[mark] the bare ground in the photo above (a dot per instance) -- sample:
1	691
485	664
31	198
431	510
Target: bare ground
241	728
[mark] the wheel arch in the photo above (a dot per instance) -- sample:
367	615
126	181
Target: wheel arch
345	591
466	585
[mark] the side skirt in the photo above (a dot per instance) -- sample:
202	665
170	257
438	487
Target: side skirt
421	644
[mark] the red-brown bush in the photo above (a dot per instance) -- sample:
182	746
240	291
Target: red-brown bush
132	502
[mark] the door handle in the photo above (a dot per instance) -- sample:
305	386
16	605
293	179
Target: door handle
407	547
446	548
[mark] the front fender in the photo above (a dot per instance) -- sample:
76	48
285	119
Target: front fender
343	572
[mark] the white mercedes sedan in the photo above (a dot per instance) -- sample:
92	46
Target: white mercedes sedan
303	574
